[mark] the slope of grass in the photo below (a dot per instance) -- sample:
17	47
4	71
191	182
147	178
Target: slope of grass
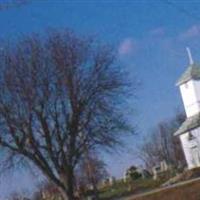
121	189
189	191
185	191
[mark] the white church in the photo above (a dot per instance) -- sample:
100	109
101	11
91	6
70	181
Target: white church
189	131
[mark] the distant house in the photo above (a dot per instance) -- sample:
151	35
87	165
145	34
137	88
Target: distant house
158	170
107	182
189	131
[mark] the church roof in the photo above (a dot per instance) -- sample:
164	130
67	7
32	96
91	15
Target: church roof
192	72
189	124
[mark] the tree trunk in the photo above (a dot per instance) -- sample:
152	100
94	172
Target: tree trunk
67	195
68	180
70	183
96	194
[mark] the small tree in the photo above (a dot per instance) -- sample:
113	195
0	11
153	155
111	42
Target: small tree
162	145
92	171
58	95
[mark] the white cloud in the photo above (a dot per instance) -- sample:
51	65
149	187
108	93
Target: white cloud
127	47
159	31
191	32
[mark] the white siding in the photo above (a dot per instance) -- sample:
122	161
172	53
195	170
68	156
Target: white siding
189	145
197	91
190	92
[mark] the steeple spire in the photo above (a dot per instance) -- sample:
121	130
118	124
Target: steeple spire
189	56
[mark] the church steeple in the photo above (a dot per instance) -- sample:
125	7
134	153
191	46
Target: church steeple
189	84
189	131
192	72
189	56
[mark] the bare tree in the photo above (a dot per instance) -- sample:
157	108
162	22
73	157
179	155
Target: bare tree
12	4
47	191
58	95
18	196
162	145
91	172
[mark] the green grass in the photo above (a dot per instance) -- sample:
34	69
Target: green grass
189	191
120	188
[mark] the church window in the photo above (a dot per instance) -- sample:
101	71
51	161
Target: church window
190	136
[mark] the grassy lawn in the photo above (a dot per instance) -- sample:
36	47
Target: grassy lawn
189	191
120	188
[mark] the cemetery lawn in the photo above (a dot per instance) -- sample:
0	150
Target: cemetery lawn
189	190
121	189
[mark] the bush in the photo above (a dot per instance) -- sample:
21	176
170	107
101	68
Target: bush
135	175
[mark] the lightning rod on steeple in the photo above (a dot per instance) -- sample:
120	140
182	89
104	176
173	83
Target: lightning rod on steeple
190	56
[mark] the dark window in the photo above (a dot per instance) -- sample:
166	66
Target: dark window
190	136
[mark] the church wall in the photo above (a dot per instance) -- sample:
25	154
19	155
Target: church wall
186	149
190	98
197	90
188	145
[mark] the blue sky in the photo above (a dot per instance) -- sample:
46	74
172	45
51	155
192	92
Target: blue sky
150	37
